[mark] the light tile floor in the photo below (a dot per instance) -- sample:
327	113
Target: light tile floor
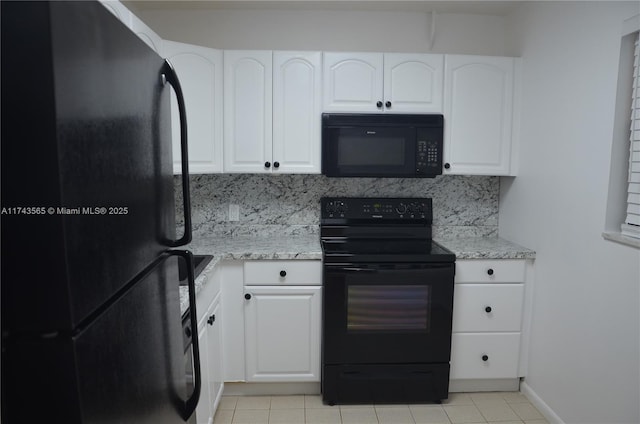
460	408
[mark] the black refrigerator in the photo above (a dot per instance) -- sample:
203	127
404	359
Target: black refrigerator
91	320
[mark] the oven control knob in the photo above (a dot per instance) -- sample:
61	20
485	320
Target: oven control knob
341	207
401	208
330	207
418	207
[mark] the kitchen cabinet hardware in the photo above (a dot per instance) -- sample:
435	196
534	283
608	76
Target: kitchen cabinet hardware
447	165
283	273
488	309
379	104
490	271
211	319
387	104
247	296
276	165
485	358
267	164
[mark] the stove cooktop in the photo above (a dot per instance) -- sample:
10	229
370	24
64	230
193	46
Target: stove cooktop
372	250
379	230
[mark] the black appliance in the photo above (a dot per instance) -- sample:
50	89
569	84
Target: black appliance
387	302
382	145
91	323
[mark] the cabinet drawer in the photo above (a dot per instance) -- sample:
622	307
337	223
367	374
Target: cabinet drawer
490	271
487	307
483	355
293	272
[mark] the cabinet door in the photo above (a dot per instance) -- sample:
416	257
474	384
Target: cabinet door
145	33
214	353
484	355
200	72
413	83
487	307
479	94
352	82
247	111
204	413
296	111
282	333
119	10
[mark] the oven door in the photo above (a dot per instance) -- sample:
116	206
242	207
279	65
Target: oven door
387	313
369	151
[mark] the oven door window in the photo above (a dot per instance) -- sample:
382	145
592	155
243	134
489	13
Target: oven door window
388	308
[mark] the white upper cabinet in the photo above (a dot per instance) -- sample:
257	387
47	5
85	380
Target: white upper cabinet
119	10
377	82
145	33
297	91
200	72
479	104
272	111
413	82
247	110
352	82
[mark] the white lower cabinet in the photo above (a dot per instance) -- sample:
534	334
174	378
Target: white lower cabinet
272	321
209	312
204	411
487	319
282	333
484	355
210	337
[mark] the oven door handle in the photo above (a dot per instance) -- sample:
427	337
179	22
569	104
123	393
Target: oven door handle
342	268
375	268
354	269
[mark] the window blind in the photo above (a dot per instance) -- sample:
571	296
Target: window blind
631	227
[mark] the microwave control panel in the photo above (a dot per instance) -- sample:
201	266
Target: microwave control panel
428	152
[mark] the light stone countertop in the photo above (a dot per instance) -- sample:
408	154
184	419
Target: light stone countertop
307	246
485	248
304	246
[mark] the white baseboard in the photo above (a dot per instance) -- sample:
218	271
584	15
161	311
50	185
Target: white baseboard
541	405
489	385
273	389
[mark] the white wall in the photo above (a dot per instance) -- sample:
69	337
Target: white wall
329	30
584	349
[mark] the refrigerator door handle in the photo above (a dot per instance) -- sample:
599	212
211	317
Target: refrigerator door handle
169	75
192	402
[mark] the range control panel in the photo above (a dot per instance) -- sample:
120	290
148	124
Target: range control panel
354	208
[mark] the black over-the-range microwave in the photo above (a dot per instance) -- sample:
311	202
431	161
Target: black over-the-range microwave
382	145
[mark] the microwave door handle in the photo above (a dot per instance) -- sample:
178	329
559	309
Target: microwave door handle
169	75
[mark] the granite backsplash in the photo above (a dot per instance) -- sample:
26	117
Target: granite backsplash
290	204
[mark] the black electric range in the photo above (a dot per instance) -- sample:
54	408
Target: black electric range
387	304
